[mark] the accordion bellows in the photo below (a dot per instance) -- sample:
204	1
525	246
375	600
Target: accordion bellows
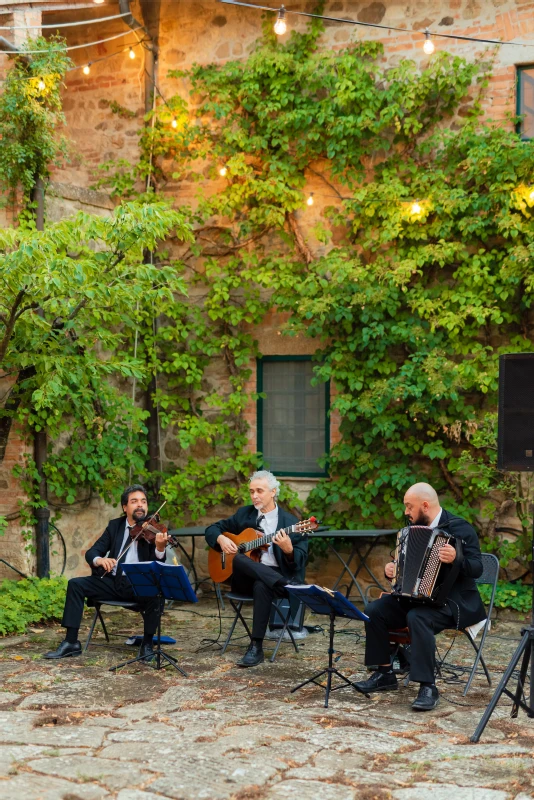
420	575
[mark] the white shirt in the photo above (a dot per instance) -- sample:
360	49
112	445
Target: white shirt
131	556
269	524
435	521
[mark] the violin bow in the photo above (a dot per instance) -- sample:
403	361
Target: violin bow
143	526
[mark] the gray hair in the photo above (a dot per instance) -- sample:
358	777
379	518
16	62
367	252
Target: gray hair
264	474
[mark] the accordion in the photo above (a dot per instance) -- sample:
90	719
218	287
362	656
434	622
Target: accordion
420	575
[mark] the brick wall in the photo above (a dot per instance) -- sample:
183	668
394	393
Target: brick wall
208	31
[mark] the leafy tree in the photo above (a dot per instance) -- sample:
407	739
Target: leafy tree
72	294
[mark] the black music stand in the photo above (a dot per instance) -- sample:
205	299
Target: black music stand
332	604
167	582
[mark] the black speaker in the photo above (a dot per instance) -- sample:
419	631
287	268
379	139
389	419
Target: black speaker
515	441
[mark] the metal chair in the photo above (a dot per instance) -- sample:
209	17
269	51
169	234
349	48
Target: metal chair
97	605
237	601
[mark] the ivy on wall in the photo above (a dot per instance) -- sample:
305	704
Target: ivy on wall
416	278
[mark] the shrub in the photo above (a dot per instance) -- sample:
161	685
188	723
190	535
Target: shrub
28	601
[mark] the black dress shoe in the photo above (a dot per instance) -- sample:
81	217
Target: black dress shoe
427	699
378	682
148	651
65	649
252	657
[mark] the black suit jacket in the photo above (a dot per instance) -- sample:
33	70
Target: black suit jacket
246	517
464	596
110	544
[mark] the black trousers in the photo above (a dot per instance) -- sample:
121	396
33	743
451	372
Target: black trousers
264	583
423	622
108	588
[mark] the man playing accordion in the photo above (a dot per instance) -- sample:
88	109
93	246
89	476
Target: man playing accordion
463	606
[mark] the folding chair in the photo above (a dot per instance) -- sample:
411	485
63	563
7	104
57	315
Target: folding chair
237	601
97	605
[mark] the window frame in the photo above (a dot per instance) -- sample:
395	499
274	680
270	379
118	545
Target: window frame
520	68
260	411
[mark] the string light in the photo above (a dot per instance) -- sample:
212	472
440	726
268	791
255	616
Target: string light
280	26
310	199
174	122
223	171
41	85
87	69
132	53
415	208
428	46
376	25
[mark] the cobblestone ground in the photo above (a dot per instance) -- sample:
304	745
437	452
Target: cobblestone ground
73	730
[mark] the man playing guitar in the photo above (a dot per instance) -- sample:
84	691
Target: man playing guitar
283	562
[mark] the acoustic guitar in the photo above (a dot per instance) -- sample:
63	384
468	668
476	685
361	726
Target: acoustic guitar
248	542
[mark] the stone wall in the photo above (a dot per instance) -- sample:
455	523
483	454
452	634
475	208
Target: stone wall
208	31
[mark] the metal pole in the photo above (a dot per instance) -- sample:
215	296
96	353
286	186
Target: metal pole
42	533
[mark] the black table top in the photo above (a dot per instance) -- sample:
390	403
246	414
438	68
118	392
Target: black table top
357	534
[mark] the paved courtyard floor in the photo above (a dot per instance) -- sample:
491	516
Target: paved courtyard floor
72	730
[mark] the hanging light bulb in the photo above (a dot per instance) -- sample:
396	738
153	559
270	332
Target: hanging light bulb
428	46
223	171
87	69
41	85
280	26
415	208
310	199
531	196
131	53
174	122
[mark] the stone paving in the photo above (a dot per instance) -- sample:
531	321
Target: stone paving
74	731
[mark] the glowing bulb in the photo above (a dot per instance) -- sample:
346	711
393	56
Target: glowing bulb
131	53
415	208
41	85
428	46
310	199
174	123
531	196
86	69
99	2
223	171
280	26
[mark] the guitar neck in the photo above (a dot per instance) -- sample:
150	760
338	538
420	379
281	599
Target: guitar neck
267	539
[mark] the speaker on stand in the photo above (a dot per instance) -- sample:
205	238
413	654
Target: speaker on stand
515	445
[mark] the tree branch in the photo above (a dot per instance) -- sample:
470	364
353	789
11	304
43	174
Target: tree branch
302	247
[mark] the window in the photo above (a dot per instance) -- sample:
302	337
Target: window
525	101
293	427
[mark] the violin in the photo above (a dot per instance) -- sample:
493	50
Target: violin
148	529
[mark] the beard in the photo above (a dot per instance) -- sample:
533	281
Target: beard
421	519
138	514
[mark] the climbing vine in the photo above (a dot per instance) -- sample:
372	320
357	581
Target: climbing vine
418	275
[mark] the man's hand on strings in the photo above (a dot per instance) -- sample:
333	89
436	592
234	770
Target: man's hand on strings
284	542
226	544
106	563
447	554
161	541
389	570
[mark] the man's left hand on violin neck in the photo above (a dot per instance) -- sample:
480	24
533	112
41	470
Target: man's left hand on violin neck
162	540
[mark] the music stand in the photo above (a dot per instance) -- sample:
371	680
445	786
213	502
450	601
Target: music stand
166	582
332	604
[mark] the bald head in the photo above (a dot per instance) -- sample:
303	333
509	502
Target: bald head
421	504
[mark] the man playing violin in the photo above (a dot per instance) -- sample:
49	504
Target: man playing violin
108	581
283	562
